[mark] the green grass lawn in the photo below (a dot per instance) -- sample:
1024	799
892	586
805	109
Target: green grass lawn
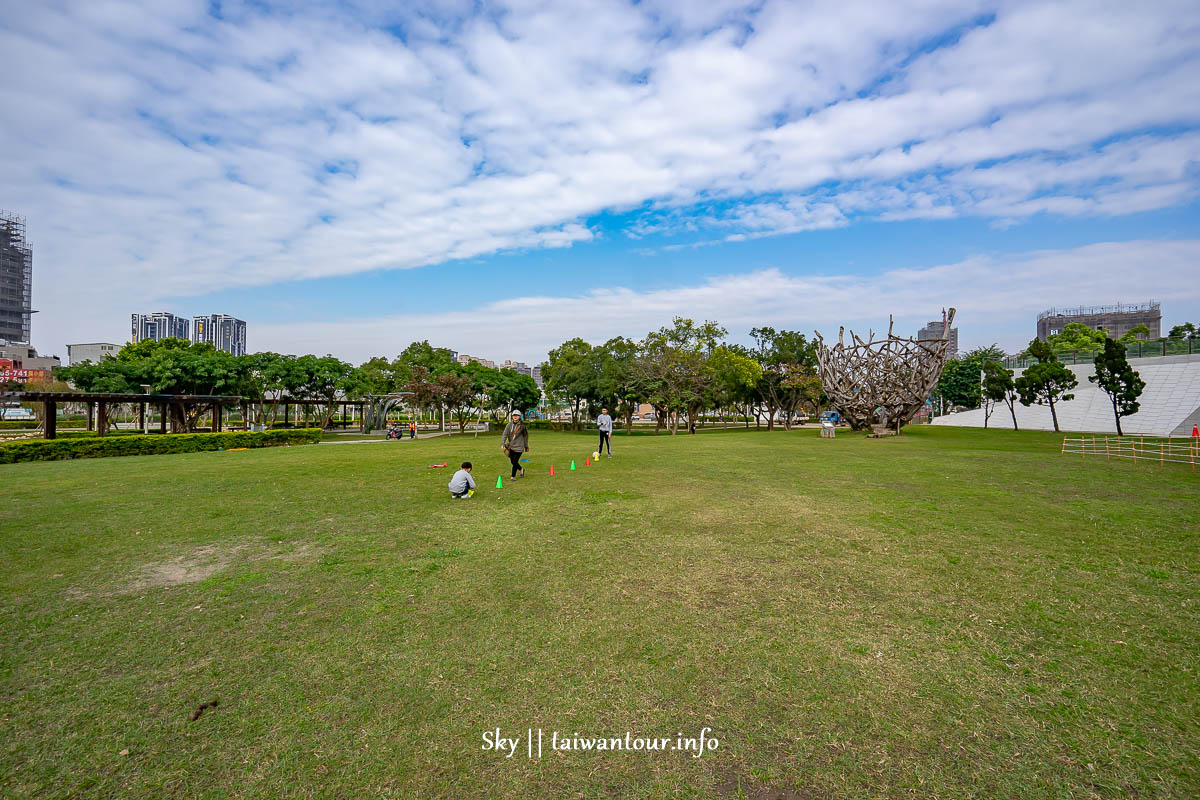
950	613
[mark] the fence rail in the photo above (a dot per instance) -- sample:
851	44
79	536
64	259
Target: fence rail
1156	349
1161	450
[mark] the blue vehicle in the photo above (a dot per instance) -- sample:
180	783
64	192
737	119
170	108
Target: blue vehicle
831	416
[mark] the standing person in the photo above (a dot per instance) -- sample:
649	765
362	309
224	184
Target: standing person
515	442
604	423
412	429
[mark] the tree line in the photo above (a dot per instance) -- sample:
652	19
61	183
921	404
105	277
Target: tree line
176	366
684	370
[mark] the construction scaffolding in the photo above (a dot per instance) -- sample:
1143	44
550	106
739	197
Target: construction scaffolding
16	279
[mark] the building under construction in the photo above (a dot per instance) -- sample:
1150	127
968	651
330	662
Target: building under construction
1117	319
16	279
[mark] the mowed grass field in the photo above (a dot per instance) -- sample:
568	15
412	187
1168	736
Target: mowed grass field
950	614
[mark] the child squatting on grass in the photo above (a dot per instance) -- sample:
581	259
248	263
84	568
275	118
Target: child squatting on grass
462	484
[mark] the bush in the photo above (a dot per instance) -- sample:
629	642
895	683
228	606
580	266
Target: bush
153	444
30	424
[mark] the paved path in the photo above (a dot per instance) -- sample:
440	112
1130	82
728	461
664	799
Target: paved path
428	435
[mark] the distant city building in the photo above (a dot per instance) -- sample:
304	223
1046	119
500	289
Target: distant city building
222	331
536	374
158	325
16	280
520	367
934	330
94	352
465	359
20	362
1117	319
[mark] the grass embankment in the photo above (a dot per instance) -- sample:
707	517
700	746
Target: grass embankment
950	613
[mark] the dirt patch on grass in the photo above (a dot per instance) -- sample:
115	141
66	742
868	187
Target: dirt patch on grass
201	563
191	568
734	786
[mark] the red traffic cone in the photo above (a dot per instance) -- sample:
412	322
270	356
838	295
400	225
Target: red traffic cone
1196	430
551	470
587	462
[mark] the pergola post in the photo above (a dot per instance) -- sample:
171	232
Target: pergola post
101	418
50	409
216	417
142	416
162	419
91	416
286	414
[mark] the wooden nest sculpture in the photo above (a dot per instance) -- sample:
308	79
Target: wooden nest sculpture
880	384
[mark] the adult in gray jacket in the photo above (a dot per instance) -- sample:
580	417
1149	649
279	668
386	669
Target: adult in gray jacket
604	423
515	442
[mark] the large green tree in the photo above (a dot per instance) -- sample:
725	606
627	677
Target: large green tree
677	368
169	366
422	354
1186	330
1139	332
570	371
1046	382
789	372
999	387
1077	337
1119	380
959	384
618	385
737	377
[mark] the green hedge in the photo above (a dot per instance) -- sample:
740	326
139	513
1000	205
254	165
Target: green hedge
142	445
31	424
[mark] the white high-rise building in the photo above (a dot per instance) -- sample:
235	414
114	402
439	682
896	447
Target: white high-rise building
158	325
222	331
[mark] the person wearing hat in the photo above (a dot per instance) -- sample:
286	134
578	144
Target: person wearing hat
515	442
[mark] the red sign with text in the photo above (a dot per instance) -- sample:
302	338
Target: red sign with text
21	375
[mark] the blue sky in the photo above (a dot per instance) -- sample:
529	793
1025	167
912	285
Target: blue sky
500	177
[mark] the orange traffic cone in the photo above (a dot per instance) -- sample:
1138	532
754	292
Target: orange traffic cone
551	470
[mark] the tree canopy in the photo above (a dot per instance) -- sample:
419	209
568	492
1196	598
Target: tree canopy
1119	381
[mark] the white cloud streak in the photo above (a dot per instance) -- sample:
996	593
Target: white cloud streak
997	300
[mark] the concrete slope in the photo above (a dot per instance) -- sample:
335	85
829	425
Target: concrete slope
1170	403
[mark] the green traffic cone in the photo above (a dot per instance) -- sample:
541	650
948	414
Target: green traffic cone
572	463
499	481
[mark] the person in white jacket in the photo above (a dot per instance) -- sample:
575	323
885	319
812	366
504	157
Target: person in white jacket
462	484
604	423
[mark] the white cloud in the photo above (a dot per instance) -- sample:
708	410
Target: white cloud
160	151
997	299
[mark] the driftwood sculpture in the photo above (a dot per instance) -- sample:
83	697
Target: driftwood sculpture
881	384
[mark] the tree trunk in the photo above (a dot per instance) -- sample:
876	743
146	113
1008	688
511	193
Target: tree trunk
178	418
1117	415
1054	415
1012	409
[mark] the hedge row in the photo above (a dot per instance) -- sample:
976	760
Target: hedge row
143	445
31	424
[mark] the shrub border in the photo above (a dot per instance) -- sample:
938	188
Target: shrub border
152	444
